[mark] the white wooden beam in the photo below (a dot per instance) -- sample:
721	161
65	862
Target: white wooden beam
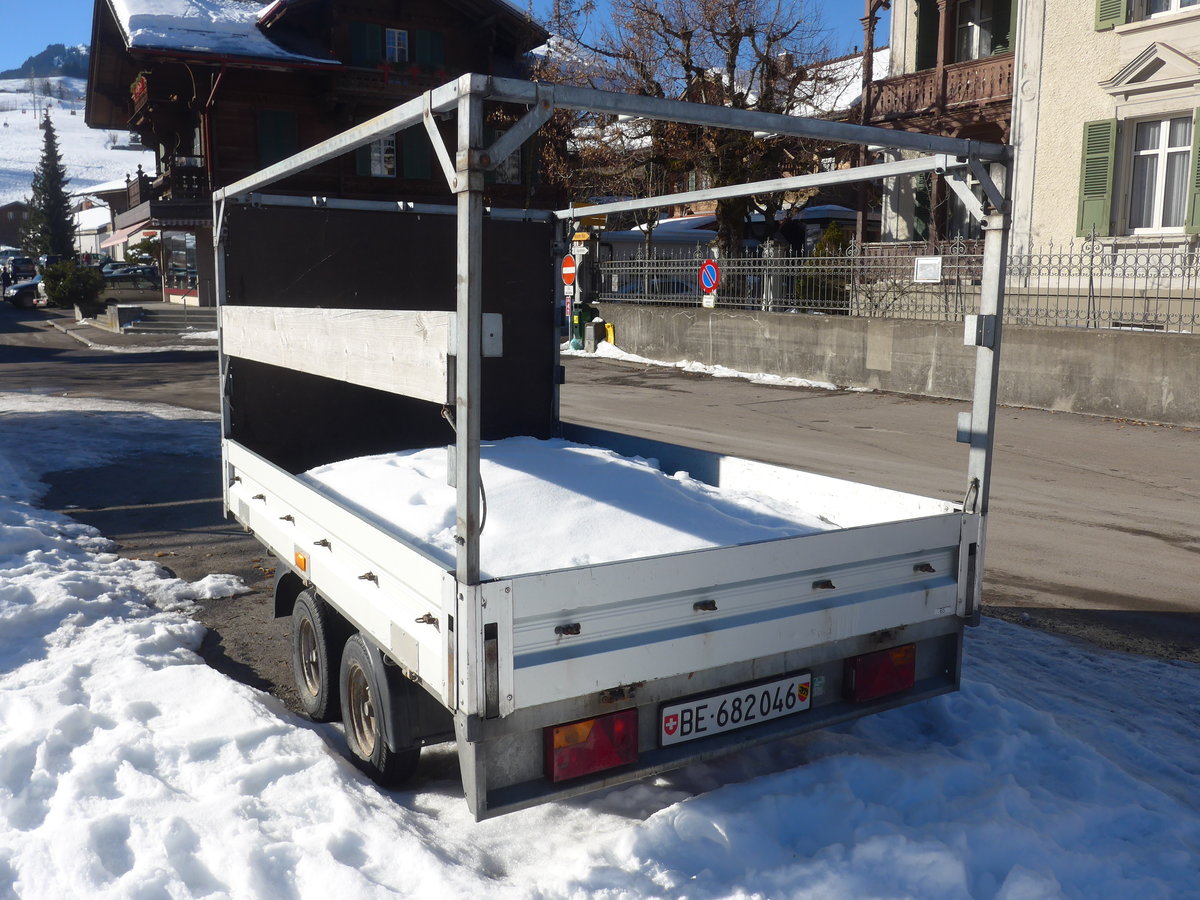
398	351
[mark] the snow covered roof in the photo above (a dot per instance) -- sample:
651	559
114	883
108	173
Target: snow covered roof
117	184
93	219
209	27
841	82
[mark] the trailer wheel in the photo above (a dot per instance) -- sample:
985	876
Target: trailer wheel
315	645
363	710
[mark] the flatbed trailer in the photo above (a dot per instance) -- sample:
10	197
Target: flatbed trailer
557	682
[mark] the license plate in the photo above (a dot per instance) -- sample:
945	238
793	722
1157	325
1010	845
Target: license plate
699	717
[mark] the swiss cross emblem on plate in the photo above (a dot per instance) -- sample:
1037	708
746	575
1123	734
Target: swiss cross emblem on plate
671	723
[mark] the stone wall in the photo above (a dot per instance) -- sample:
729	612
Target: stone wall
1143	376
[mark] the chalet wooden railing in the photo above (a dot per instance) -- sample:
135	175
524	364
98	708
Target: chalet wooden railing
978	81
138	189
187	179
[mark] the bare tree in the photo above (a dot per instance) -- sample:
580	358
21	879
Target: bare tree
746	54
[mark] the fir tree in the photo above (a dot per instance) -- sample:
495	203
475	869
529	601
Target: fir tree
50	228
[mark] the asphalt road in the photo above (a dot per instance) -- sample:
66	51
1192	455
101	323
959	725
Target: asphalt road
1094	530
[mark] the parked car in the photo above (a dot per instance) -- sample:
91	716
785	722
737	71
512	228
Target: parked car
48	259
121	268
662	290
24	294
131	287
21	268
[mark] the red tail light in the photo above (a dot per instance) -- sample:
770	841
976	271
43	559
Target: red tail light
591	745
878	674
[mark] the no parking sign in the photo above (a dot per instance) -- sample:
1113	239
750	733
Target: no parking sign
710	276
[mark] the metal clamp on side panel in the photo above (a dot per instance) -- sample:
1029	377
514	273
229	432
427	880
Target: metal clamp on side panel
492	337
979	331
963	435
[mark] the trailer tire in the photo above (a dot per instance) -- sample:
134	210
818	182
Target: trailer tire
365	703
316	655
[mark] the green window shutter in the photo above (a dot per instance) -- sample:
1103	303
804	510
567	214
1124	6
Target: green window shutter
278	135
927	34
1096	177
418	165
362	160
430	48
1192	223
1110	13
366	44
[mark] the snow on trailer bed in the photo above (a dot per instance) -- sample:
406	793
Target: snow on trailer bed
558	504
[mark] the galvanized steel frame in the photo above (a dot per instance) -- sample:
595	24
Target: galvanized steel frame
466	96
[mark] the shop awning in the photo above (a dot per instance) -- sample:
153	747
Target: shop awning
121	235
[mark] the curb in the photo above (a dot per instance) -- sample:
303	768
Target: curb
76	330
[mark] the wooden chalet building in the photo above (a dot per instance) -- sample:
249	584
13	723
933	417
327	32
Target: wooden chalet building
13	217
221	89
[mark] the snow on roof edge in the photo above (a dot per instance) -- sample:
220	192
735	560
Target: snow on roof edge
210	27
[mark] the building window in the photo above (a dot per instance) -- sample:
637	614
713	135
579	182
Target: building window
180	255
395	47
377	159
973	38
1160	7
1158	193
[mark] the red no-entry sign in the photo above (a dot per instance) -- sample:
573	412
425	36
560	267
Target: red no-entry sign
710	276
568	270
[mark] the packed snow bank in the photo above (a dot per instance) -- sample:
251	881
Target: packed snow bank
556	504
605	350
128	768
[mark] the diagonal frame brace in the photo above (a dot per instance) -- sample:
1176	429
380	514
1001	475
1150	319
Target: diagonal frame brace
439	146
958	183
984	177
509	142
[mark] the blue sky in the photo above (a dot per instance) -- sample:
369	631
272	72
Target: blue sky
29	25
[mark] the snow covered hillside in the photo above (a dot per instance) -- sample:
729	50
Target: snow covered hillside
129	768
85	152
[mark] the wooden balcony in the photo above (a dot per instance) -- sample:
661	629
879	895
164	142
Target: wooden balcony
975	84
186	179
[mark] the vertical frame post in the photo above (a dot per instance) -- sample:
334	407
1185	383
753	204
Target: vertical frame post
468	185
987	381
218	241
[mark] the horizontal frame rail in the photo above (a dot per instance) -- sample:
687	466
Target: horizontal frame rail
940	164
398	206
508	90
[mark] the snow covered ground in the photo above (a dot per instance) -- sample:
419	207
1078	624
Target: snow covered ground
130	769
85	152
605	350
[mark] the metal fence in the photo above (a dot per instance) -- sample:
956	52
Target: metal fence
1149	285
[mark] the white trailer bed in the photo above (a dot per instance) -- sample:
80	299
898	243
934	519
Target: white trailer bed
579	641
